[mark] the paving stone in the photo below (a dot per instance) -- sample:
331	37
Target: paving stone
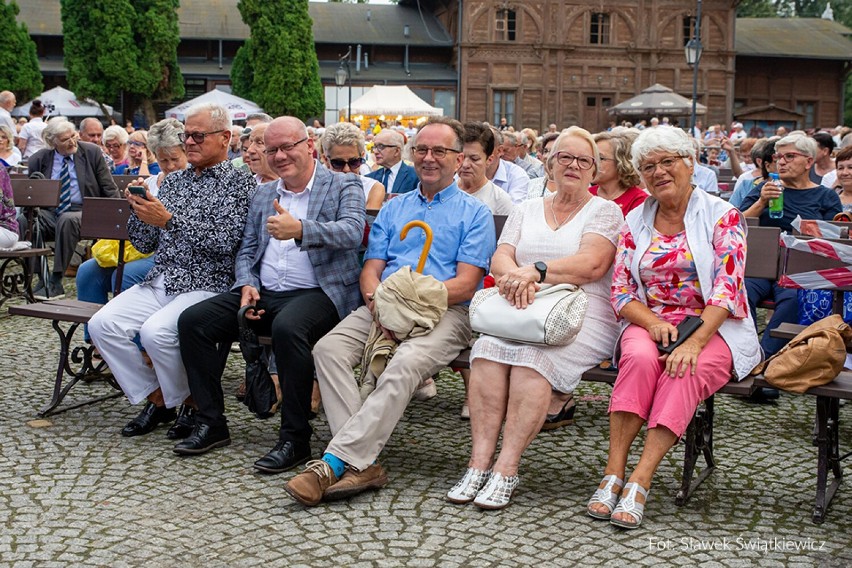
73	492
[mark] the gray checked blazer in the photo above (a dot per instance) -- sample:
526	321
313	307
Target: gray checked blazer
331	234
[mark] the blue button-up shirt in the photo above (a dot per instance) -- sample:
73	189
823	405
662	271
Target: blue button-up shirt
462	228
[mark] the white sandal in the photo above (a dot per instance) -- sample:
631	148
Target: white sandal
629	505
468	486
497	492
605	496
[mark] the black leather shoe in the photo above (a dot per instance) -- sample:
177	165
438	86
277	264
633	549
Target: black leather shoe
203	439
764	395
150	417
184	424
284	456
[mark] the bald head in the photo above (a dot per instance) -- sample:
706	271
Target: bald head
290	151
7	100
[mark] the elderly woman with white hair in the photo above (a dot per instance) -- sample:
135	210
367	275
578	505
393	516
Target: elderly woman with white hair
567	237
794	156
680	254
343	148
115	141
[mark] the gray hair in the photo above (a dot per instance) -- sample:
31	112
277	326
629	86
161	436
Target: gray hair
343	134
575	132
89	119
801	142
662	139
115	132
9	135
164	135
259	116
219	117
55	128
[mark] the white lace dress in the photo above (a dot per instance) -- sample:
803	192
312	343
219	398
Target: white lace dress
527	230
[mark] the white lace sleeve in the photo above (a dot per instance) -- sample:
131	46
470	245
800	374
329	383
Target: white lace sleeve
512	229
606	221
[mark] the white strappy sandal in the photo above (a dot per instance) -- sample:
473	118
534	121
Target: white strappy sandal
605	496
629	505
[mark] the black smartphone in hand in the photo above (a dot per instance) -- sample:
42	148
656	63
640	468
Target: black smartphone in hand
684	329
138	190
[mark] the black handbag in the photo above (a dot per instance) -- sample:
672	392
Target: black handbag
263	393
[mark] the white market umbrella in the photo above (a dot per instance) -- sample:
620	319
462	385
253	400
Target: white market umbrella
391	101
62	102
238	108
656	99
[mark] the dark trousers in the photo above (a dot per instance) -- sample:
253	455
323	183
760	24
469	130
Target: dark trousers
786	309
296	320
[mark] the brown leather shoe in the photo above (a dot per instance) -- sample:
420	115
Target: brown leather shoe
308	487
354	482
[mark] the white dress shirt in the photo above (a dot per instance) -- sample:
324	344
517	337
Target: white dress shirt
513	180
285	266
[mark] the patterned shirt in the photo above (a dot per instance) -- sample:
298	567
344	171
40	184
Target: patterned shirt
668	274
209	212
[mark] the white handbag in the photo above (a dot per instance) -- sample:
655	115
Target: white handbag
553	318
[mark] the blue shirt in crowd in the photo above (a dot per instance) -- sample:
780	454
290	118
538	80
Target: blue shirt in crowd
815	203
462	228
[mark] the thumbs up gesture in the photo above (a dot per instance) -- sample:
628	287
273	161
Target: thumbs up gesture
283	226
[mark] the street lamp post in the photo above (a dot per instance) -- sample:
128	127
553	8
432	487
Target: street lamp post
693	57
343	76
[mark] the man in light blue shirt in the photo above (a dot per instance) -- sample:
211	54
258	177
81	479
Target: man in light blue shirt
460	255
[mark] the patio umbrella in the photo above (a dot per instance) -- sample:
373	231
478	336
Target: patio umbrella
238	108
656	100
62	102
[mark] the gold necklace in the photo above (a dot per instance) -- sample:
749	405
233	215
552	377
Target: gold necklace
571	214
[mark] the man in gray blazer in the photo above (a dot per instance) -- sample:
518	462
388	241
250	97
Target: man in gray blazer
298	266
81	168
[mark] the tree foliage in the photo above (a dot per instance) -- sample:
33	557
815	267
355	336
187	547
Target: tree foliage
19	70
277	66
122	45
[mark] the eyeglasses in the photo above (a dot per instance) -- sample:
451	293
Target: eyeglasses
136	143
113	146
665	163
383	147
272	150
438	152
337	164
566	159
197	137
788	157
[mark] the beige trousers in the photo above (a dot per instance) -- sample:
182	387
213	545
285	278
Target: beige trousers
361	430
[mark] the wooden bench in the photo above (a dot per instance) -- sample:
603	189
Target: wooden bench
103	218
29	194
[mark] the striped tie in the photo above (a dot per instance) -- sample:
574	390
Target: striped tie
65	188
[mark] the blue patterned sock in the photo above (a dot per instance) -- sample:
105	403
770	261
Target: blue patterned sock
338	466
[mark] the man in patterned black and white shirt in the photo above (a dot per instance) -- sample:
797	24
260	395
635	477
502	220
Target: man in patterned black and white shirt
195	226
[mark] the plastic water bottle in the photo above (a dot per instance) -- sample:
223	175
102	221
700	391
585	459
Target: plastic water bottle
776	206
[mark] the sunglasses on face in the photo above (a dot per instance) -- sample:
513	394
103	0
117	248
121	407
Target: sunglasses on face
136	143
338	164
197	137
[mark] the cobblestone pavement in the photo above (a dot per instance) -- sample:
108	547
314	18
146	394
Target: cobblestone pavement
73	492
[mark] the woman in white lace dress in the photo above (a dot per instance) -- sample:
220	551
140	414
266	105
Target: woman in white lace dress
567	237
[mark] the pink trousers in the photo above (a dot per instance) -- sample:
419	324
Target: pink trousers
644	388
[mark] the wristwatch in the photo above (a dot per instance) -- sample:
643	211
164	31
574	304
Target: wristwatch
542	270
170	224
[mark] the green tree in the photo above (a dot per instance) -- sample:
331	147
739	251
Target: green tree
756	9
277	66
19	71
133	51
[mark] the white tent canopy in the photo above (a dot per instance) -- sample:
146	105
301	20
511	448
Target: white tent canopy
62	102
392	101
238	108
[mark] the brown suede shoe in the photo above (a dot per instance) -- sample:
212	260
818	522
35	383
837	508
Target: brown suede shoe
354	482
308	487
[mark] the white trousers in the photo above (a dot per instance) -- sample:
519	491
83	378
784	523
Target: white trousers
150	312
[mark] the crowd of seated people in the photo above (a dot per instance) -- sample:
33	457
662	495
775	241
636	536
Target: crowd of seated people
272	217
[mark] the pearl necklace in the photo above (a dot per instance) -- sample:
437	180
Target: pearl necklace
571	214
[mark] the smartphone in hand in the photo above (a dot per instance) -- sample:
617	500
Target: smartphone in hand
684	329
138	190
